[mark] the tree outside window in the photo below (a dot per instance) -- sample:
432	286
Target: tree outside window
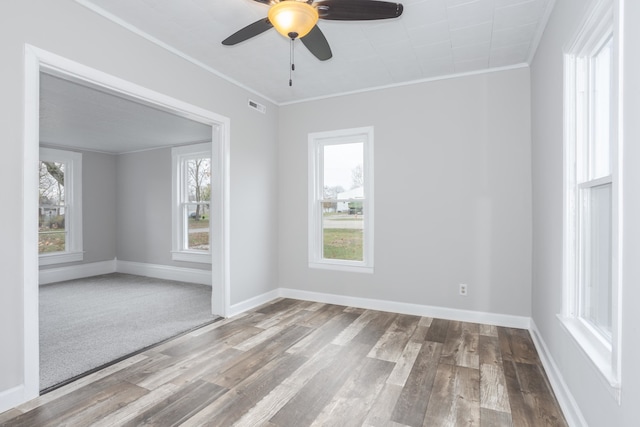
59	206
51	224
199	195
192	203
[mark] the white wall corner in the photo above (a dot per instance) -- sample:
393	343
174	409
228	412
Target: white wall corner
568	404
77	271
166	272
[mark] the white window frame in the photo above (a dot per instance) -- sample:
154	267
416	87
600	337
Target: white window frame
599	25
179	156
317	141
73	206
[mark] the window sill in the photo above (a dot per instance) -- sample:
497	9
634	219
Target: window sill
595	349
341	267
60	258
202	258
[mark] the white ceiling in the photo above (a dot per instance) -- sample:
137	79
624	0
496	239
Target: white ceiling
91	118
432	39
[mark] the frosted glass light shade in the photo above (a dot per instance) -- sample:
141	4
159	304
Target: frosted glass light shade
293	19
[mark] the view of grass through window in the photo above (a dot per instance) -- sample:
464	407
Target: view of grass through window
199	233
342	243
342	205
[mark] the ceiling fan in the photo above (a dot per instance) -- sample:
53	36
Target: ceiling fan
297	19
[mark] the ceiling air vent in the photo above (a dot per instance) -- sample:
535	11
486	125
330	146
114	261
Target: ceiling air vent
256	106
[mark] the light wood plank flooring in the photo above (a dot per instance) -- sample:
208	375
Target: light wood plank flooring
297	363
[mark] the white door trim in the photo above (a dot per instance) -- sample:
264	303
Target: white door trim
37	60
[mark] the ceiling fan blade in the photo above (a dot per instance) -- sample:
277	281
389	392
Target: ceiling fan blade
247	32
317	44
357	10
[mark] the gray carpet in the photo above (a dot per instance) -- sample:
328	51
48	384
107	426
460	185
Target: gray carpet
87	323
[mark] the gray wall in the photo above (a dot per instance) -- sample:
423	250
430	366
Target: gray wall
72	31
452	192
144	209
585	384
99	201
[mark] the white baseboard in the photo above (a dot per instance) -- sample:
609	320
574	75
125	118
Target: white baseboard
167	272
505	320
12	397
570	408
391	306
254	302
79	271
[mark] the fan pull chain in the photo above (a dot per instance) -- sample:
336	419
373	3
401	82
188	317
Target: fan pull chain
292	65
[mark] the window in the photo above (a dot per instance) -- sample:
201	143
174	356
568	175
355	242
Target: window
341	200
593	187
59	206
591	192
191	203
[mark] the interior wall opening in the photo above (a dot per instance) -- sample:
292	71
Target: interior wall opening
63	95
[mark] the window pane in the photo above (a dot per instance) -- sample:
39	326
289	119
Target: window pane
51	242
596	260
51	214
600	162
198	227
52	232
343	221
52	183
199	180
343	168
342	233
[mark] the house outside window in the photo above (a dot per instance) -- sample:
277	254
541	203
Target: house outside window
59	206
591	294
341	208
191	203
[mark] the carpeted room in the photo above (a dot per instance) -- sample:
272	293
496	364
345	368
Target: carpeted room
88	323
113	209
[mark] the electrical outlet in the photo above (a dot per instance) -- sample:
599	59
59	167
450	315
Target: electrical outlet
463	289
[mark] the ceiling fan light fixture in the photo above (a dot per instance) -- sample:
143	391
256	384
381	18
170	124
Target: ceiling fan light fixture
293	19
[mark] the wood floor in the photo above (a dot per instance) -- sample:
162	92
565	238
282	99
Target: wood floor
297	363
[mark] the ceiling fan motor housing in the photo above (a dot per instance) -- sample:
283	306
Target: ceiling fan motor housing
293	17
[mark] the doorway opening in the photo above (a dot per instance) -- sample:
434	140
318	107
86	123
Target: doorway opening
41	65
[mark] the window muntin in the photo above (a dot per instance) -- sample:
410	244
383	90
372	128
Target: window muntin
60	206
192	203
341	200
